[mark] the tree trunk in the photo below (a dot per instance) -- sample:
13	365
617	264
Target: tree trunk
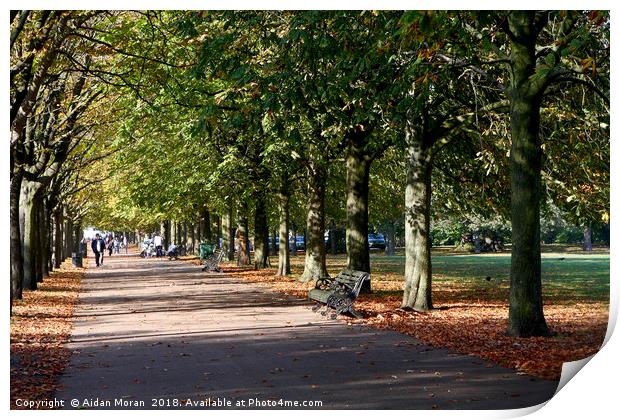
525	316
218	229
261	233
390	248
358	254
228	235
243	257
315	267
284	260
274	242
68	236
28	230
207	234
17	263
44	240
294	240
57	238
77	239
418	270
587	239
191	238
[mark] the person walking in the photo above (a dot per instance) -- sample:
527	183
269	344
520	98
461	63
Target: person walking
98	246
158	241
125	243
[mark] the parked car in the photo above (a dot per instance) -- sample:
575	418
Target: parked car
376	241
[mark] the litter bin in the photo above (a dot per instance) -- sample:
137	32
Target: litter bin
76	259
205	250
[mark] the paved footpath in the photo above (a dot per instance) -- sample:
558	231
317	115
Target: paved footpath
164	334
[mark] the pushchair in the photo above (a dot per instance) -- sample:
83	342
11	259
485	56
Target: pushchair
209	258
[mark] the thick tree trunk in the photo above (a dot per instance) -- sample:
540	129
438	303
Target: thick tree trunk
418	270
29	233
243	257
261	233
284	260
315	266
526	316
17	263
358	254
587	239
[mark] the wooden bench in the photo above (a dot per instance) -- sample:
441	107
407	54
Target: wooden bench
340	292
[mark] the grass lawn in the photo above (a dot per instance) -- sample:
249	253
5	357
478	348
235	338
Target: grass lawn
471	312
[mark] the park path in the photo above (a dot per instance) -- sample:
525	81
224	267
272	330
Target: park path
158	331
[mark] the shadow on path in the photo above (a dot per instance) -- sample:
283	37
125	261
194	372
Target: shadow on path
146	330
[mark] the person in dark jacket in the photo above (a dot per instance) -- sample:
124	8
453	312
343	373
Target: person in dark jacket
98	246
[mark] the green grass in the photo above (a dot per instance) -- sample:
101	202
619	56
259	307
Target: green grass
577	277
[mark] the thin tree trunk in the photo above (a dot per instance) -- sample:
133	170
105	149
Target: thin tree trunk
315	267
587	239
390	249
284	260
207	234
418	270
228	234
192	237
57	238
75	248
243	257
294	243
261	233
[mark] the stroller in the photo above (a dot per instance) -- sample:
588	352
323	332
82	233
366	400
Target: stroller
211	261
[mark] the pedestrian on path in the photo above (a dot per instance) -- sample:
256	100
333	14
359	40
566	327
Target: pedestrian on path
98	246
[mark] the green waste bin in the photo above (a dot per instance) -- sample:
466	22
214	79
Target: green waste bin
206	250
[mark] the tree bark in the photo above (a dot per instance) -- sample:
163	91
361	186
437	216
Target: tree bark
587	239
284	260
418	269
274	242
29	232
358	253
206	233
525	316
390	248
315	267
261	233
228	234
243	257
57	237
17	267
77	238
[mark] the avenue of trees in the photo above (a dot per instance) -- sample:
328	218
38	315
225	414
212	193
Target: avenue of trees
255	124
